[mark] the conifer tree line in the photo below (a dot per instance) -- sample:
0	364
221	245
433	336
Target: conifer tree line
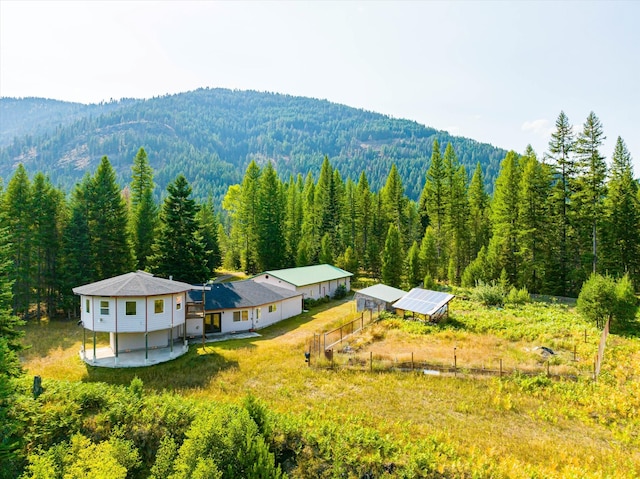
54	242
551	222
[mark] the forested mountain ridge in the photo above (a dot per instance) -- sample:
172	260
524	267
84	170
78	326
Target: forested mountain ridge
36	116
211	135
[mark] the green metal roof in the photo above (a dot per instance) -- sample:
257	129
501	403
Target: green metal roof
309	274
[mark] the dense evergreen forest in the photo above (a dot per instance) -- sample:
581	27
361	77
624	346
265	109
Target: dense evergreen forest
211	136
548	226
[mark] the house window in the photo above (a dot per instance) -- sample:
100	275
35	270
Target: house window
87	304
178	303
104	308
241	316
158	306
257	313
130	308
272	308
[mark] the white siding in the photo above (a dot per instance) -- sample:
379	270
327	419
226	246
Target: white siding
267	278
135	341
268	318
314	290
228	325
194	327
291	307
95	321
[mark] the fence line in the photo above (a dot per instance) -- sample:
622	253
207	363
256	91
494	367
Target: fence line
326	341
369	362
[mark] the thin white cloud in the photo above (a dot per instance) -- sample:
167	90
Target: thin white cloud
541	127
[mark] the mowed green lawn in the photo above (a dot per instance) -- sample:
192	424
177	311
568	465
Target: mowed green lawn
521	426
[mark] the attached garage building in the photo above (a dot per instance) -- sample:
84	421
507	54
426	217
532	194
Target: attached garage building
311	281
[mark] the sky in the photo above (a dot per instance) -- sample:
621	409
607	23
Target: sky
497	72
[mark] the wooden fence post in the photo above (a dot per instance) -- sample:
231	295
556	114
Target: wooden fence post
371	360
500	367
411	361
455	363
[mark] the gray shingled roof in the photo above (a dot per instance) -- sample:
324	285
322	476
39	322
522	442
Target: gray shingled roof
139	283
240	294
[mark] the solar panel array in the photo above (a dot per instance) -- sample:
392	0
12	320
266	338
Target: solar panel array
423	301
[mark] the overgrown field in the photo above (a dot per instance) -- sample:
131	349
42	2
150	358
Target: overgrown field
344	423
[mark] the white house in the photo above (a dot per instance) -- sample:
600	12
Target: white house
241	306
312	281
138	310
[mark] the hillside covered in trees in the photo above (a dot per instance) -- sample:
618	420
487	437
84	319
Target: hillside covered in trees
211	136
547	227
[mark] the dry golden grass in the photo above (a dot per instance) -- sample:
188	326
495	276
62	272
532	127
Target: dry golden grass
564	429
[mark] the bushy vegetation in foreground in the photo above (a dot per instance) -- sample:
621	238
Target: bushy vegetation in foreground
258	402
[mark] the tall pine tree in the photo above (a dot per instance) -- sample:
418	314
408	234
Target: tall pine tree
621	223
503	247
19	227
590	188
392	258
535	184
108	222
178	250
560	260
144	211
270	246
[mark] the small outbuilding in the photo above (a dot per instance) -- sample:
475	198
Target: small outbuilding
241	306
432	305
314	282
379	297
139	311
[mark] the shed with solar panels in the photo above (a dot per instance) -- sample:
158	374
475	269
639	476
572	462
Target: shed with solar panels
426	304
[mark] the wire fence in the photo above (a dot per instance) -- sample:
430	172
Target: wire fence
330	350
332	339
411	362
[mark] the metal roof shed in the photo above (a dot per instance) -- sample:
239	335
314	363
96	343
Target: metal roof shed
378	296
431	304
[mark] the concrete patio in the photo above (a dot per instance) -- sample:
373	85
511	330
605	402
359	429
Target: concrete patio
106	358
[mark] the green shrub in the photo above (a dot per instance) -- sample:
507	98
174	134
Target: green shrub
340	292
626	301
489	294
518	296
429	282
597	299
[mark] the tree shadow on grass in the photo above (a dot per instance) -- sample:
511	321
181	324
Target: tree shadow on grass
42	337
193	370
